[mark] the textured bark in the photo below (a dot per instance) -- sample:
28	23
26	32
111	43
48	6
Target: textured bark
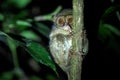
76	51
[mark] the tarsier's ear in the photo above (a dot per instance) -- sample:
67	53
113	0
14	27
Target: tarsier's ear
54	18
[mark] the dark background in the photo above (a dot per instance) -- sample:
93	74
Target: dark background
99	64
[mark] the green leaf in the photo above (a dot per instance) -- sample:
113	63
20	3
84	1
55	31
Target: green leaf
21	3
57	10
113	29
22	23
30	35
40	54
48	16
51	77
35	78
106	30
21	15
7	75
109	12
103	32
12	45
43	29
1	17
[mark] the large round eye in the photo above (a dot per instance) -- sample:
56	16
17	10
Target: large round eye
69	19
60	20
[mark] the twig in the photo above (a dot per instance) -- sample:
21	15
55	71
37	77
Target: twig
48	16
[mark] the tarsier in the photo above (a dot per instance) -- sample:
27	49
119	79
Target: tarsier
61	39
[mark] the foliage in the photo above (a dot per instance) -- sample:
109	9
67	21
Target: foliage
40	54
20	31
107	31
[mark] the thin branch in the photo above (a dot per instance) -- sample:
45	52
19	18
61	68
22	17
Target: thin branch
76	57
48	16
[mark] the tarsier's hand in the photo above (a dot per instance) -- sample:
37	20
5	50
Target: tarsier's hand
85	43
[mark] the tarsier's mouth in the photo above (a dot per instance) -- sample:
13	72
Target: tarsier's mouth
67	28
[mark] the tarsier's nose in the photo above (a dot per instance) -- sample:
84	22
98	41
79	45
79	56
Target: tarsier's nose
67	27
